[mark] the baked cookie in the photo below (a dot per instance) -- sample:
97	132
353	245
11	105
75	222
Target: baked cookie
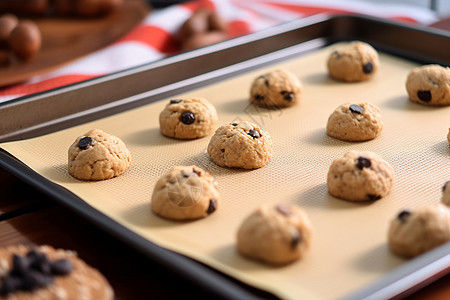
240	144
356	61
279	88
275	234
47	273
188	118
360	176
429	85
415	232
355	122
98	155
185	193
446	193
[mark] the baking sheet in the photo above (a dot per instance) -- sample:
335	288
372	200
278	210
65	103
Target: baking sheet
349	249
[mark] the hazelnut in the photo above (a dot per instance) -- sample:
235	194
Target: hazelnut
25	40
7	23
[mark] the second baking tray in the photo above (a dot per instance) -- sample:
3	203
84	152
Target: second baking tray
349	238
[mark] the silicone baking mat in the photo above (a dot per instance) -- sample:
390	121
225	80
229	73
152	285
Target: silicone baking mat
349	249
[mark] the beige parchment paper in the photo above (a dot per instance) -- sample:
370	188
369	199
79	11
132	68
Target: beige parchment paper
349	247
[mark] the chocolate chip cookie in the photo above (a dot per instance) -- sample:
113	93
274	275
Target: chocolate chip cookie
185	193
429	85
352	62
188	118
355	122
279	88
360	176
413	232
276	235
240	144
98	155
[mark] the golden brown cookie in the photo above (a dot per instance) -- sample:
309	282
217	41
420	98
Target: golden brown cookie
240	144
279	88
188	118
185	193
355	61
47	273
355	122
98	155
277	234
413	232
429	85
360	176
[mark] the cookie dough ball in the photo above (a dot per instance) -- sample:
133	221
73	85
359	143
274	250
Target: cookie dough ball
189	118
415	232
429	85
446	193
240	144
360	176
185	193
356	61
279	88
98	155
47	273
275	234
355	122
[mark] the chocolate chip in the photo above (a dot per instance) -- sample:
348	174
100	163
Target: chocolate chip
373	197
288	96
445	186
33	279
9	285
296	238
84	143
368	68
187	118
284	210
186	175
354	108
259	97
234	124
254	134
175	101
20	265
196	172
337	54
363	162
403	215
61	267
266	82
40	263
222	150
425	96
212	206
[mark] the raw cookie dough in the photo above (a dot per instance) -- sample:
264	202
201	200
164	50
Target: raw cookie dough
275	234
279	88
429	85
188	118
185	193
98	155
47	273
446	193
355	122
356	61
360	176
415	232
240	144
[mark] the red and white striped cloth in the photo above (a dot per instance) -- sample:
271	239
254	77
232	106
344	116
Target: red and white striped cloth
153	38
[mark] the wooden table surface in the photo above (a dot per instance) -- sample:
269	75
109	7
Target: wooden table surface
30	217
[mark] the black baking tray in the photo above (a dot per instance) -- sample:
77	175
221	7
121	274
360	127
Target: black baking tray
93	99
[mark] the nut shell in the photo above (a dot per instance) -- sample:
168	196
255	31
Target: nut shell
25	40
